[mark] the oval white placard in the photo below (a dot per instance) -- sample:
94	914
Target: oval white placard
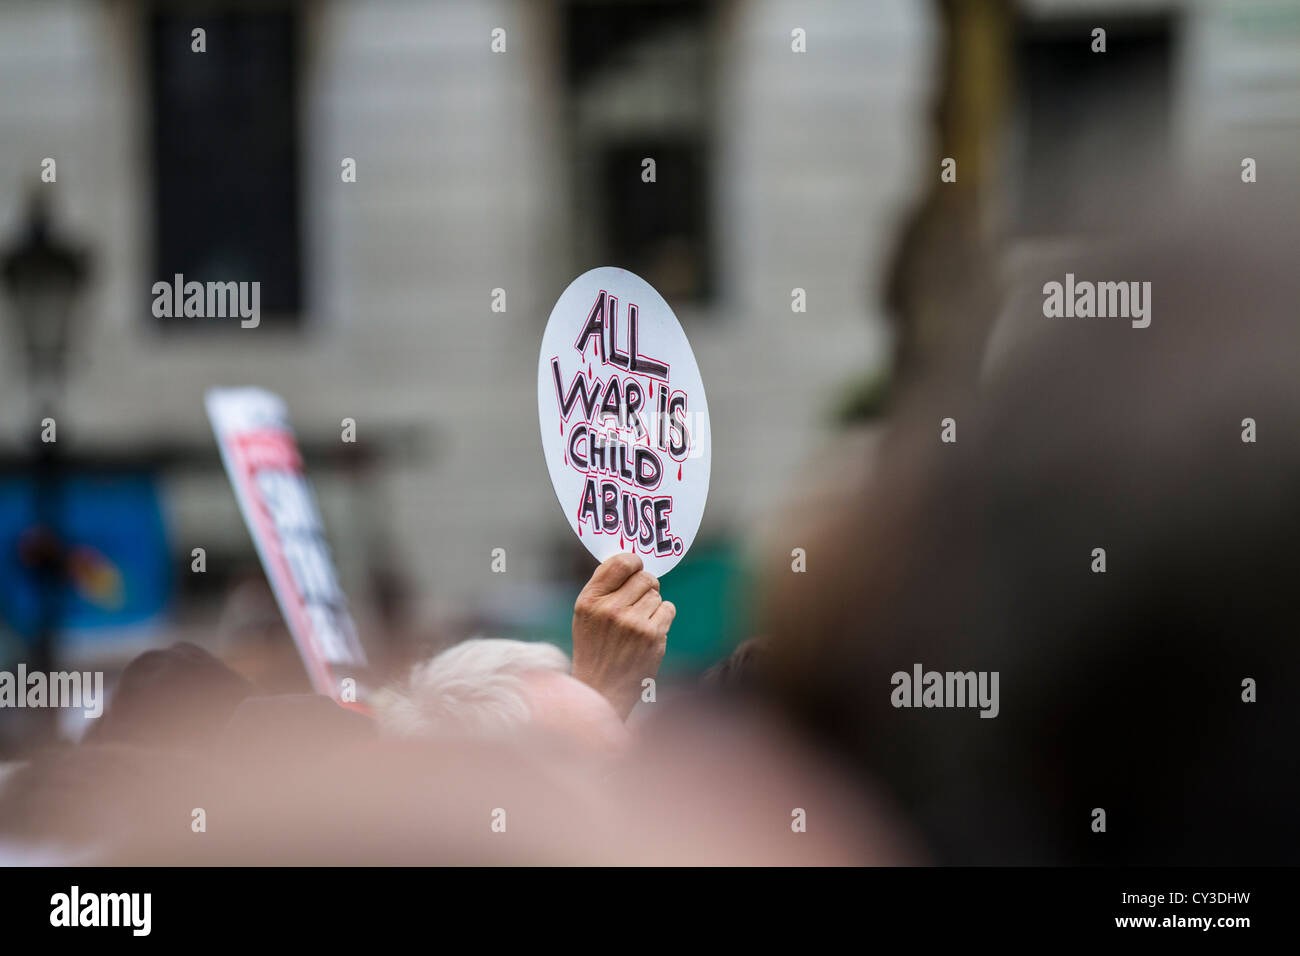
624	420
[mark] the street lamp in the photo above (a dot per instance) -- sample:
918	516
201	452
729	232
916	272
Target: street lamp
43	279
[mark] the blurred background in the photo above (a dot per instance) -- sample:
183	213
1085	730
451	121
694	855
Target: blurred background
777	170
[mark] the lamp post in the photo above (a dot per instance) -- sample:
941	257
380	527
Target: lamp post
43	279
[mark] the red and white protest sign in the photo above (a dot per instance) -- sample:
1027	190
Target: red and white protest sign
624	420
262	460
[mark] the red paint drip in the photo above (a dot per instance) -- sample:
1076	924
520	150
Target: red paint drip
679	472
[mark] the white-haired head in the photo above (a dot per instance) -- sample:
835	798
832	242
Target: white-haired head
476	688
486	687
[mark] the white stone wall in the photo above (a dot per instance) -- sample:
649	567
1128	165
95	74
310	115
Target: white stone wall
459	192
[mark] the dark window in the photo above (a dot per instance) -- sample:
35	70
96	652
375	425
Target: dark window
639	82
604	33
225	154
1093	127
658	230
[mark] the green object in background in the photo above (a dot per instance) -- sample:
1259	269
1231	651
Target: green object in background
865	398
711	588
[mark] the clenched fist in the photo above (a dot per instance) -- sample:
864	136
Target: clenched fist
620	630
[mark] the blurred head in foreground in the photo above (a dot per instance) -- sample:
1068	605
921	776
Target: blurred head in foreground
1113	534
